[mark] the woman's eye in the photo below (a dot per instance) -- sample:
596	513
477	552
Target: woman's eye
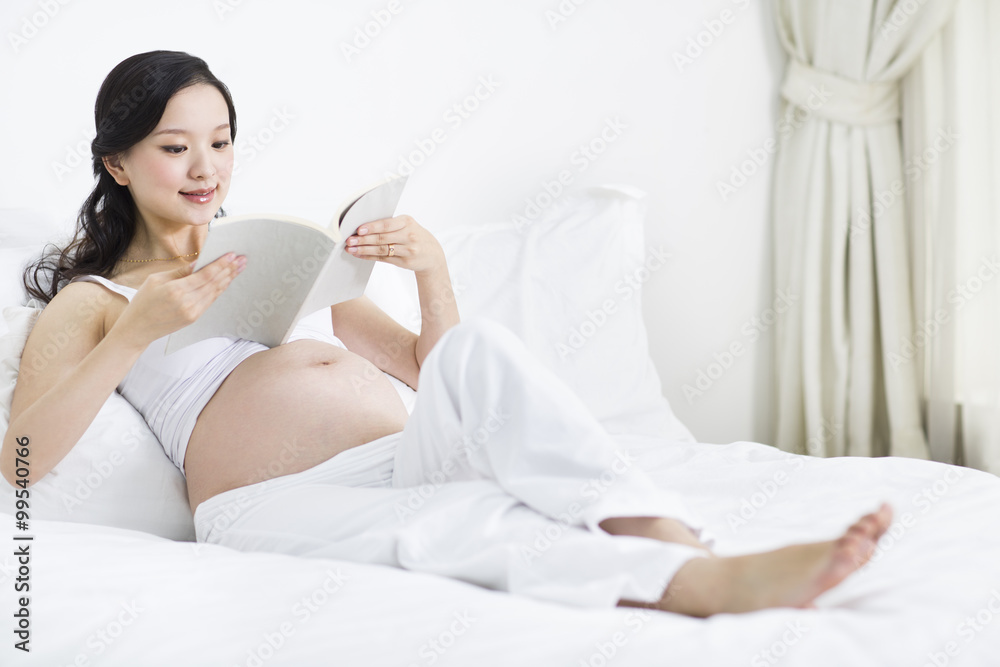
221	144
174	150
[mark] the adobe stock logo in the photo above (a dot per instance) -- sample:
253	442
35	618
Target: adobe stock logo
30	25
562	13
914	169
901	13
250	145
704	39
630	283
793	118
455	115
582	158
752	330
363	35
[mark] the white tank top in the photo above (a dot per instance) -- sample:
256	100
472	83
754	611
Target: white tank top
170	391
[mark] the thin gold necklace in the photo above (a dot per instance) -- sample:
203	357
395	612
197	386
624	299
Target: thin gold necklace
159	259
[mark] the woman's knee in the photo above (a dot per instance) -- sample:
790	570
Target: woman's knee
482	332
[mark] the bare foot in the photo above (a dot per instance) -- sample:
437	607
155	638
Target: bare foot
789	577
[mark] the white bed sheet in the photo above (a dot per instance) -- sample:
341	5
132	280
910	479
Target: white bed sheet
190	604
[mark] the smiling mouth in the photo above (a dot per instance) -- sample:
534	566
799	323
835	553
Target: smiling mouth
200	196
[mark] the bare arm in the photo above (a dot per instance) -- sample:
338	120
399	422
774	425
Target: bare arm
368	331
62	387
70	366
438	311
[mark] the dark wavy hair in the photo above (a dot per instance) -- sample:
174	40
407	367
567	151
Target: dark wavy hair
129	105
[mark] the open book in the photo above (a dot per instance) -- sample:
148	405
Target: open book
294	268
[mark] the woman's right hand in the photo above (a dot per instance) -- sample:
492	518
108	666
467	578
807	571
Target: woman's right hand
171	300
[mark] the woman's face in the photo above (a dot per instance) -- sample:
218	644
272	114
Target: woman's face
179	174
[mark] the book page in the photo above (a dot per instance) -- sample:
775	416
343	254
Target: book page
345	277
284	257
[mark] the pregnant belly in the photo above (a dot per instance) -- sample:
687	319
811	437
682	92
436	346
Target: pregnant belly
285	410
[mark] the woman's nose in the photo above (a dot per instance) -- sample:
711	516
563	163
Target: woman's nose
203	167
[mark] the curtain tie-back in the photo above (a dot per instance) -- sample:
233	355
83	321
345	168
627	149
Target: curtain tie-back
827	95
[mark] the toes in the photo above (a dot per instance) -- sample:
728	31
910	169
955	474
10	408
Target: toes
874	524
855	549
882	519
866	526
885	514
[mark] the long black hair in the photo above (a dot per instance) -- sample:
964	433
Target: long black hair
129	105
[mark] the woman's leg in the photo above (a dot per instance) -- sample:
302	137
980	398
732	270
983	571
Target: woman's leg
478	532
487	409
657	528
501	478
472	531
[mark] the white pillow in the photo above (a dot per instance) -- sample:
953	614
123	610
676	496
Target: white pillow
24	233
14	260
116	475
31	226
569	285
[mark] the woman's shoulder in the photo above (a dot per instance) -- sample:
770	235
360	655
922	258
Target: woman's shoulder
75	315
130	279
79	301
65	331
89	296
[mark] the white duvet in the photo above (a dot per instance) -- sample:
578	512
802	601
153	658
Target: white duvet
931	595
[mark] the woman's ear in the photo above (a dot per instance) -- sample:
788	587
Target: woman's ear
113	164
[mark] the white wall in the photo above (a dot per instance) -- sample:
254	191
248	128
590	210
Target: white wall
685	129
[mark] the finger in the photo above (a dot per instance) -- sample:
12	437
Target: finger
222	268
382	226
224	274
373	251
376	239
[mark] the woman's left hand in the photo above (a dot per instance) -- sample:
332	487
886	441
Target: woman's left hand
400	241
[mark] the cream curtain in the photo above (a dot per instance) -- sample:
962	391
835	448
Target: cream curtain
841	240
951	138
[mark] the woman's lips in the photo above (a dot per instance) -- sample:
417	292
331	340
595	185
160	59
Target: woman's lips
200	196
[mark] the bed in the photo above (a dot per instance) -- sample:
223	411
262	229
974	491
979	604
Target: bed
116	578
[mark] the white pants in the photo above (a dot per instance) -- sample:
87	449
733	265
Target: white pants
499	478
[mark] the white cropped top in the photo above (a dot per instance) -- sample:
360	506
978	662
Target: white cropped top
170	391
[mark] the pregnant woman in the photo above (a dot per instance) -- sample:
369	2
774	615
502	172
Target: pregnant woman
307	447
